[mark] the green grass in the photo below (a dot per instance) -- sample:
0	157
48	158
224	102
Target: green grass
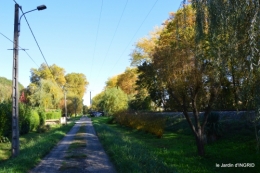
33	147
136	151
76	151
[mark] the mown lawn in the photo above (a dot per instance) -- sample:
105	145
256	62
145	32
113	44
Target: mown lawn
33	147
136	151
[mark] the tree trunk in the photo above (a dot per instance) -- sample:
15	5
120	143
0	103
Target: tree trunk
200	143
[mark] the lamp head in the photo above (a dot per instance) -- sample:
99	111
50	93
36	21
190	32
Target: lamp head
41	7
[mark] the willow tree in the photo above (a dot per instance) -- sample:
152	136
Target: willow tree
192	82
234	25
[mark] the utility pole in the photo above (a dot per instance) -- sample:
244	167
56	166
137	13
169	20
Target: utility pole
65	102
90	98
15	97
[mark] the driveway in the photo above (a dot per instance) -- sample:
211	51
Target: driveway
96	161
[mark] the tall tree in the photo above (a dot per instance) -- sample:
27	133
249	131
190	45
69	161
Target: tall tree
126	81
76	84
190	76
45	93
238	22
54	73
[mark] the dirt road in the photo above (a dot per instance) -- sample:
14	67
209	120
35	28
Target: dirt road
96	160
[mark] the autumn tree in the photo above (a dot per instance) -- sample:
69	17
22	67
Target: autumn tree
234	26
111	82
53	73
76	84
191	79
126	81
45	93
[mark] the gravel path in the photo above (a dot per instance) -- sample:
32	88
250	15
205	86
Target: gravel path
96	162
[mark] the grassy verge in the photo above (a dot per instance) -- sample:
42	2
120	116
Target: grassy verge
135	151
33	147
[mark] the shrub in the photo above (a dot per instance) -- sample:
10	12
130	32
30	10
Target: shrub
147	122
34	120
24	118
213	127
4	139
5	119
53	115
43	128
42	117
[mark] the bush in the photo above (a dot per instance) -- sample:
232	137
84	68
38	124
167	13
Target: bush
43	128
6	119
150	123
24	118
53	115
4	139
42	117
213	127
34	120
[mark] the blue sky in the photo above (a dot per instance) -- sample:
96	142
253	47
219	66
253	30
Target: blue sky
80	37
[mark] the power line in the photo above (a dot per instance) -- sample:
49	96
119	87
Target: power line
35	39
21	49
96	37
37	44
135	34
113	37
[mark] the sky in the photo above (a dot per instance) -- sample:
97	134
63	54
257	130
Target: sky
93	37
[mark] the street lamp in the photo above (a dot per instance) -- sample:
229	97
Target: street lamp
15	109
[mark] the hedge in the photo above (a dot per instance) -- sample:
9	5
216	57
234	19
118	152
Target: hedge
53	115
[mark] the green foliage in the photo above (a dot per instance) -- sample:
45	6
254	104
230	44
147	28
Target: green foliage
76	84
5	119
43	128
97	101
74	105
53	115
33	147
213	127
174	151
34	120
45	94
129	154
42	117
150	123
85	109
24	119
4	139
6	89
114	100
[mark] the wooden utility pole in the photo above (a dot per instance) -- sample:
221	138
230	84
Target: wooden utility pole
65	102
15	97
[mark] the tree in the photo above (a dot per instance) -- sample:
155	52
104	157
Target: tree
234	25
126	81
97	101
189	74
85	109
111	82
111	101
144	48
53	73
76	84
74	105
45	94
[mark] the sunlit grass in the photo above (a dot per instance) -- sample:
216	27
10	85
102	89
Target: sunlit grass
137	151
33	147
